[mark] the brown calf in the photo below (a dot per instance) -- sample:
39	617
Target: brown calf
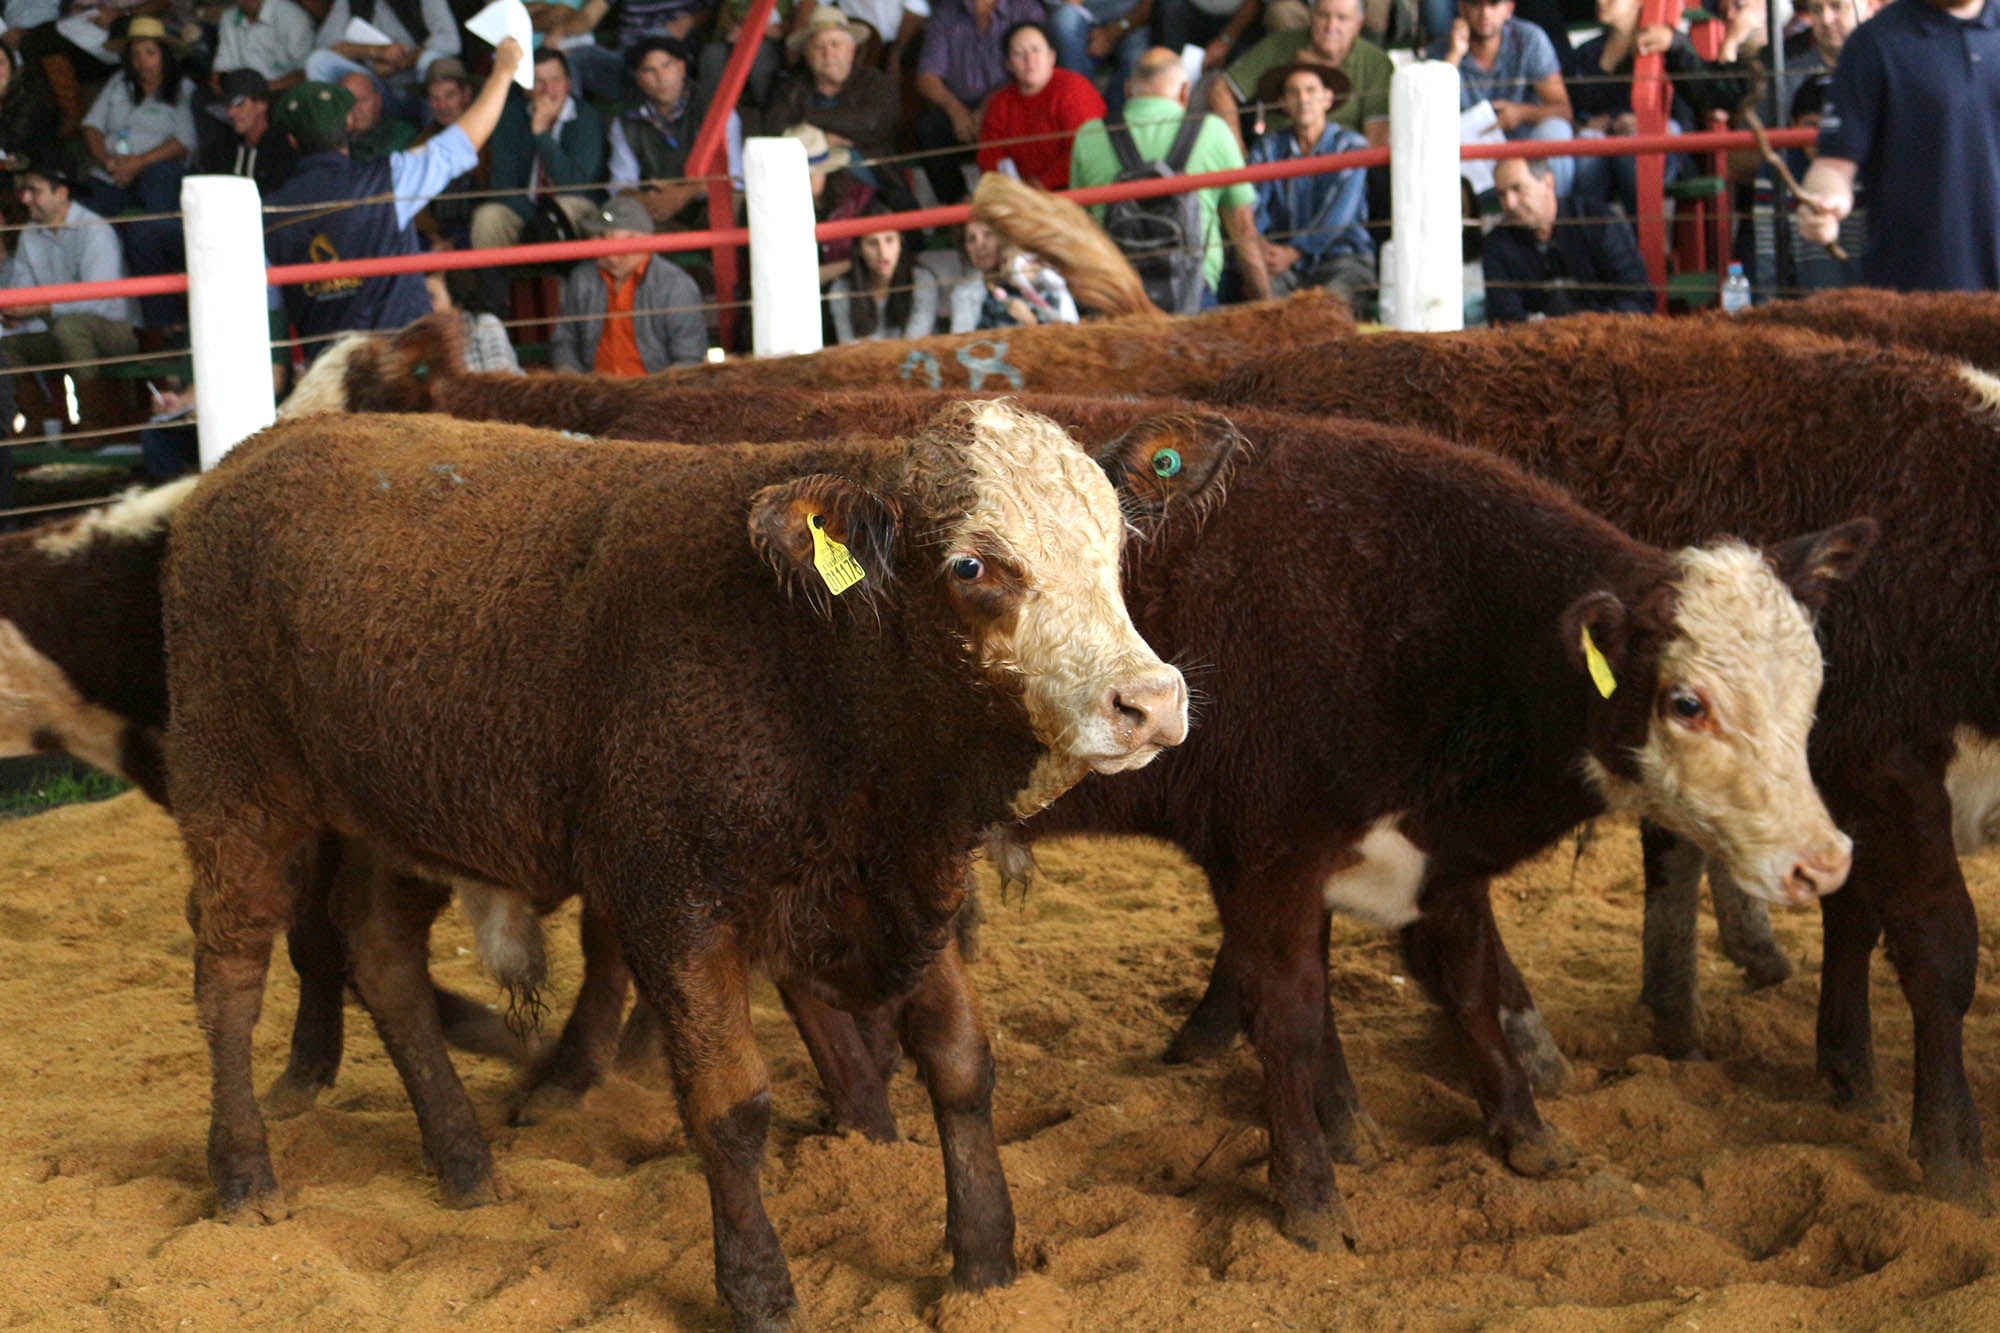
1678	430
1964	326
1282	802
532	667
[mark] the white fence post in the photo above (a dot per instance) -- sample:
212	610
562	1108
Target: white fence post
228	327
784	258
1428	261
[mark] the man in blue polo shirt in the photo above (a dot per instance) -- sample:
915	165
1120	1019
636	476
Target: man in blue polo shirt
1914	116
335	208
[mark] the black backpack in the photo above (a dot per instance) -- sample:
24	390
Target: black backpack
1163	235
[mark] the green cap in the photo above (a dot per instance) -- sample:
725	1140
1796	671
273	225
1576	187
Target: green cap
313	110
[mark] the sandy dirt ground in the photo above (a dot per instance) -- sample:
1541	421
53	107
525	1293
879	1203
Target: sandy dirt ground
1719	1195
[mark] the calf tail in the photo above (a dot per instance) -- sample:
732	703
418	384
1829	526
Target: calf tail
1056	230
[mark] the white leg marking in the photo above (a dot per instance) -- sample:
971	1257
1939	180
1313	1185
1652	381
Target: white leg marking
1382	886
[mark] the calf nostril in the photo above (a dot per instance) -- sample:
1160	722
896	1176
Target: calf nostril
1129	712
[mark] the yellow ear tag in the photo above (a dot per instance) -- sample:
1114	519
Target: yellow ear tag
1600	670
835	563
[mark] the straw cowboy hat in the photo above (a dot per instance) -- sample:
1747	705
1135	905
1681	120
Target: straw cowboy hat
824	17
146	26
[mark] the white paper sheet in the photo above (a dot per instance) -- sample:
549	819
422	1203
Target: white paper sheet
1479	123
1192	58
363	33
503	19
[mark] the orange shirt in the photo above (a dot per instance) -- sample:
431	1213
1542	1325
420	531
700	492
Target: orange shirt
617	347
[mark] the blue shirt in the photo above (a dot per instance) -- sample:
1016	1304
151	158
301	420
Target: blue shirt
1320	216
1526	57
1915	105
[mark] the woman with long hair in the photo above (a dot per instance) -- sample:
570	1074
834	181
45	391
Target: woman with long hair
140	132
1005	286
884	293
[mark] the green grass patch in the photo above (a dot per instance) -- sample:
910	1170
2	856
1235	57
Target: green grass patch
59	787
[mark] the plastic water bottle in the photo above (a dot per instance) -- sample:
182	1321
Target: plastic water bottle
1735	290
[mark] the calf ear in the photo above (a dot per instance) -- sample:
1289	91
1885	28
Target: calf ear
1595	629
1170	460
1811	564
827	535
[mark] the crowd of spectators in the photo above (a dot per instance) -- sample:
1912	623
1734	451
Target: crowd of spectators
897	102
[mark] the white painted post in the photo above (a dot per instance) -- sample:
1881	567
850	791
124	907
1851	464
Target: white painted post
1428	261
784	258
228	328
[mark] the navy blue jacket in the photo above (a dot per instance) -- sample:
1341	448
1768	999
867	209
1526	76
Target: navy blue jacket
361	231
1592	265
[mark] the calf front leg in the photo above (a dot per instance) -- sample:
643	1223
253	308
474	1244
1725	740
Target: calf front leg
1453	949
1743	924
1845	1041
1279	941
700	990
386	922
1669	985
945	1034
1218	1016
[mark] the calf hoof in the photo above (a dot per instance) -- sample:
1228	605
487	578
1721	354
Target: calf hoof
1322	1229
290	1095
468	1183
257	1209
764	1322
476	1195
543	1102
1541	1153
1356	1140
1539	1056
1204	1037
877	1126
970	1274
1767	968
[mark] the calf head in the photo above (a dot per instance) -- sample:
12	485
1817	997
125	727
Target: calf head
374	372
1708	682
1016	534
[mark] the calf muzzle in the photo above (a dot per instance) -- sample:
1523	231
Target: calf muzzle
1813	877
1147	713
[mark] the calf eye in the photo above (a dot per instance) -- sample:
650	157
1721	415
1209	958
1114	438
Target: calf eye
967	568
1687	706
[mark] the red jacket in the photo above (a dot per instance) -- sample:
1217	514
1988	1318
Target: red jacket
1065	102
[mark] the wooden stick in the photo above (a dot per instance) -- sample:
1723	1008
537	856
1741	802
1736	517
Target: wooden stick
1777	164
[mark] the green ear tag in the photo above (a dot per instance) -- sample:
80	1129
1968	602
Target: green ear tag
1600	670
835	563
1166	462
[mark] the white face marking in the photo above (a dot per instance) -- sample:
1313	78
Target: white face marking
507	931
1985	386
137	514
323	388
1736	780
1383	886
36	697
1072	644
1973	782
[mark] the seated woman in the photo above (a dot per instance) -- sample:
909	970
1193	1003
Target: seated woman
1007	286
1602	97
1033	118
140	131
884	293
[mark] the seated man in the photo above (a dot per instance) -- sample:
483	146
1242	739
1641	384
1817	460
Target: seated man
1313	226
650	143
371	132
1534	267
419	32
1090	33
556	144
272	37
336	208
1332	36
1511	64
857	105
640	313
65	242
959	66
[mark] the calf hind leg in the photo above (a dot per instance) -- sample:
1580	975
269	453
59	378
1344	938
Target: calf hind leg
319	956
1744	925
386	921
1453	949
847	1068
1218	1016
584	1051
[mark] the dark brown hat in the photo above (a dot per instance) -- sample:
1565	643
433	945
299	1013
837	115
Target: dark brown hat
1271	87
